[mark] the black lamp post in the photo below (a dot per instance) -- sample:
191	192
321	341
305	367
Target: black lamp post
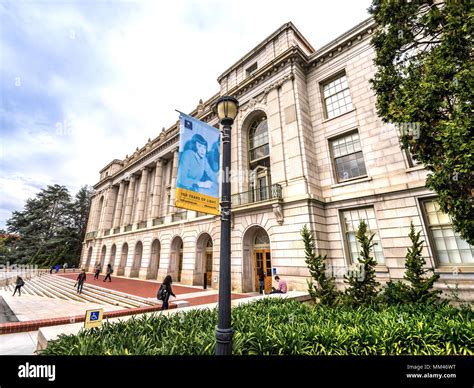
227	108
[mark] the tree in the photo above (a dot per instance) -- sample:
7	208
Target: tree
362	286
423	82
50	228
322	287
421	286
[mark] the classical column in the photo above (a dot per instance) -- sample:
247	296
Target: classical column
155	206
127	217
109	205
119	207
92	210
140	212
174	175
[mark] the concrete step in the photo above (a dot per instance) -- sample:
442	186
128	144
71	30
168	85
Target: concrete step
116	294
38	284
87	293
69	293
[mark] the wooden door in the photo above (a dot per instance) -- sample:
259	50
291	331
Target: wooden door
263	261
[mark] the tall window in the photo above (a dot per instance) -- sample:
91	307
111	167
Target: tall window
450	248
259	159
348	159
337	98
351	220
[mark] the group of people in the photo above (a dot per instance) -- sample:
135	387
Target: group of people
282	286
108	272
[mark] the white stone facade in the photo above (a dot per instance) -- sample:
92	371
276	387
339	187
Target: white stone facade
282	81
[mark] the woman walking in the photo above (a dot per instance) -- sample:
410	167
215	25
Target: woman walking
18	284
166	291
109	272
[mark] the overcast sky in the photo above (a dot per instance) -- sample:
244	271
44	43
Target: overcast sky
85	82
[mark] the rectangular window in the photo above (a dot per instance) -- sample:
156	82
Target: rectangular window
348	159
450	248
351	220
251	69
337	98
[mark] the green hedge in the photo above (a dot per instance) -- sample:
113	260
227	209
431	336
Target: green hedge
276	326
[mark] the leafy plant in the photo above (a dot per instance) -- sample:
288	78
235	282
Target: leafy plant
362	289
284	327
322	287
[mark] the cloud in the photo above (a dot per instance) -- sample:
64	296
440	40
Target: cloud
83	82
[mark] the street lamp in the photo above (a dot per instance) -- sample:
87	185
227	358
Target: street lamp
227	108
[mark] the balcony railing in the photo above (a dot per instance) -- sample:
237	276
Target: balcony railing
117	230
91	235
159	221
106	232
141	225
128	228
259	194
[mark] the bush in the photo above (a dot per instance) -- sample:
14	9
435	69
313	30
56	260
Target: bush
322	288
281	327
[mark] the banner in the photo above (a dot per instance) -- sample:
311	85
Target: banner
197	185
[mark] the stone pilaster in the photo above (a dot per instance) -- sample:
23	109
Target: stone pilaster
140	212
127	218
155	207
119	207
174	176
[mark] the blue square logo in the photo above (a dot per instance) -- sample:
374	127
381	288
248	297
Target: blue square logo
188	124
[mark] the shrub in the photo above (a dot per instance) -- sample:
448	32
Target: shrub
322	288
281	327
362	289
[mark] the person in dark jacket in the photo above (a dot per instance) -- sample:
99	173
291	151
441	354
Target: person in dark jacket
109	272
261	278
18	284
169	291
98	268
80	281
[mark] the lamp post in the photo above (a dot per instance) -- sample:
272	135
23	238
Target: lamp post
227	108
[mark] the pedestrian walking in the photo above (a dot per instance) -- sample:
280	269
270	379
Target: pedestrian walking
18	284
97	271
110	271
81	278
261	279
165	292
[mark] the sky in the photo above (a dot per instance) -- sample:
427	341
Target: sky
85	82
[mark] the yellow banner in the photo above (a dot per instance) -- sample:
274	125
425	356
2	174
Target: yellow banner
93	318
187	199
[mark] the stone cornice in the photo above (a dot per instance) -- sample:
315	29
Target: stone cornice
279	31
342	43
292	55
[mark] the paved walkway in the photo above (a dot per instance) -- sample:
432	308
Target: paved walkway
148	289
143	288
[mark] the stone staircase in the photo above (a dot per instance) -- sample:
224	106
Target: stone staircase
62	288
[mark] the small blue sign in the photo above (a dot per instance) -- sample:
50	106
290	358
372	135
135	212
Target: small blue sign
274	271
94	316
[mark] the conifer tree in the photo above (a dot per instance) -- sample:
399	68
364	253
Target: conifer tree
322	287
362	285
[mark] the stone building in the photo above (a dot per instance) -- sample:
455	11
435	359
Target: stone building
307	148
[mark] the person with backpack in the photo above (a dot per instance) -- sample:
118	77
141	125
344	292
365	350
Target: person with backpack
19	283
110	271
98	268
80	281
165	292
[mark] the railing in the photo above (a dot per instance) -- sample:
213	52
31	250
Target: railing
159	221
91	235
106	232
179	216
128	228
259	194
141	225
117	230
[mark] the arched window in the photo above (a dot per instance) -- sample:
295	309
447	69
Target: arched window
259	159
